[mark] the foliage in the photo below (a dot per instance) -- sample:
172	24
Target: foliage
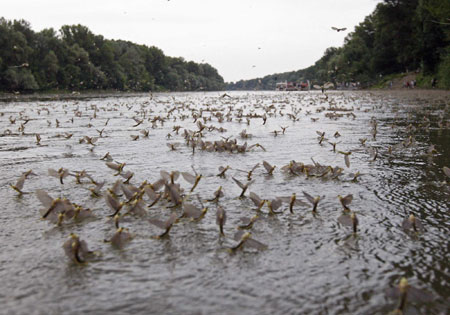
399	36
77	59
443	74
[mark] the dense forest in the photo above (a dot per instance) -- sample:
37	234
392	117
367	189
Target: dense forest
76	59
400	36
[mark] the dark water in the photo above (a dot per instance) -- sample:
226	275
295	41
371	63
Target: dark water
313	265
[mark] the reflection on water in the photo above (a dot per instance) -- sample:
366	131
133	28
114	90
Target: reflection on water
313	264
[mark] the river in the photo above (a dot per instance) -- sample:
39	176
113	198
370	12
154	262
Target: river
313	264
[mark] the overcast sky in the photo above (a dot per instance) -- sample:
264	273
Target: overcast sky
242	39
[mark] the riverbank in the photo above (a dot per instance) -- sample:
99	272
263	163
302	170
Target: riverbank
410	80
66	95
414	93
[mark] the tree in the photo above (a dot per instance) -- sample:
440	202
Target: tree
79	59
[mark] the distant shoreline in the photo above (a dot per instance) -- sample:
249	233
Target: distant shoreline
51	96
64	95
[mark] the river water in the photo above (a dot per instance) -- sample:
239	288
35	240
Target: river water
312	264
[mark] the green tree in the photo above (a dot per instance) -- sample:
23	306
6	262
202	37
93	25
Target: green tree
79	59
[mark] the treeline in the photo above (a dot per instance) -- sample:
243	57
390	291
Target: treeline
76	59
399	36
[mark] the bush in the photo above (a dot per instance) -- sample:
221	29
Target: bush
27	81
424	81
443	74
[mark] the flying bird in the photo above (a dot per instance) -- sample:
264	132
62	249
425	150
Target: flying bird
338	29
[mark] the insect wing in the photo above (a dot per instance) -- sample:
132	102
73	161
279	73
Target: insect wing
44	198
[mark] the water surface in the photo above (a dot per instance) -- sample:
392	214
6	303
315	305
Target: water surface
313	265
